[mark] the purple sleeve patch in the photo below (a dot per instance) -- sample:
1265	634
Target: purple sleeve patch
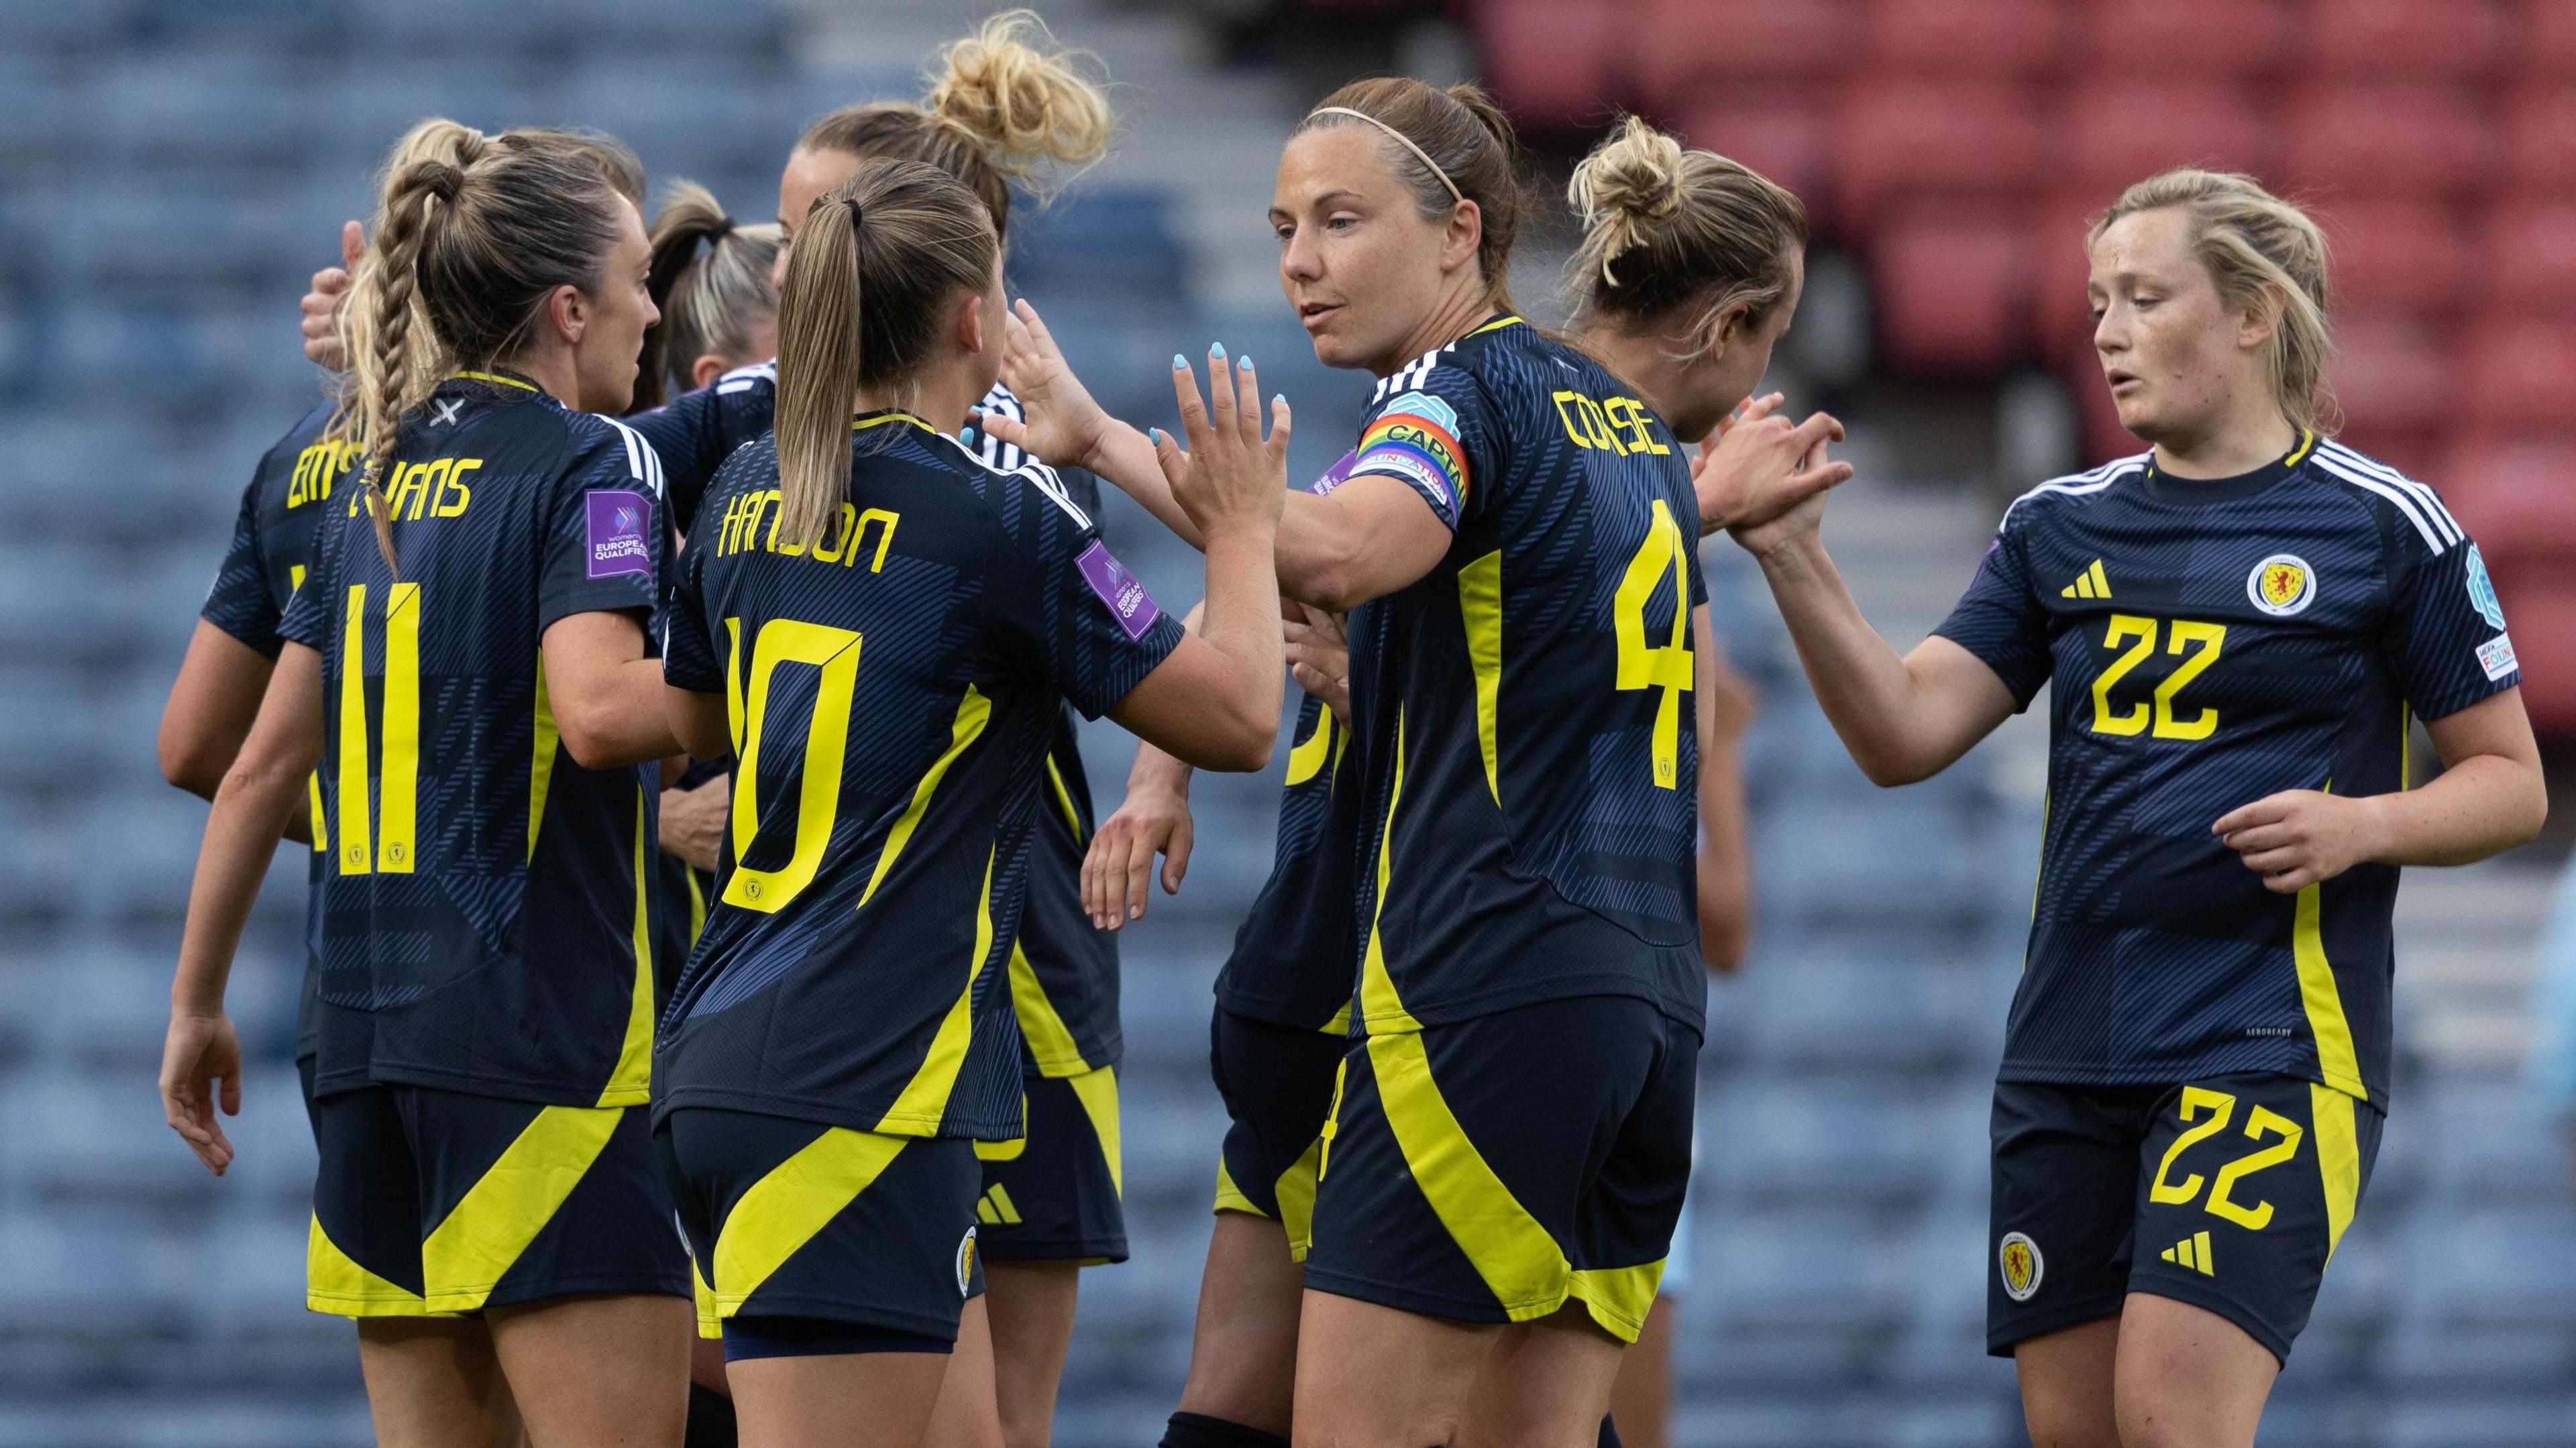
617	520
1128	602
1334	476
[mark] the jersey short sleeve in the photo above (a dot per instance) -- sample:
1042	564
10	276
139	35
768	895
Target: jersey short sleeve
2000	618
604	531
1432	428
1065	602
307	619
239	603
2446	634
689	659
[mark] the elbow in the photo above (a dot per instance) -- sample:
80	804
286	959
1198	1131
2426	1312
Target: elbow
588	747
192	765
1889	771
1246	747
1331	577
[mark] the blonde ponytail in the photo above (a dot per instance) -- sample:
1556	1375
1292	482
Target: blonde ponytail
876	266
2259	249
1674	234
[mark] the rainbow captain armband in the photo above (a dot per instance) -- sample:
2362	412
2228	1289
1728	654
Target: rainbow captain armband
1416	438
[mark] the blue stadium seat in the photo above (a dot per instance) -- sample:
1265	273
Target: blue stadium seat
2479	1133
218	109
88	1141
1097	240
1870	1003
101	1273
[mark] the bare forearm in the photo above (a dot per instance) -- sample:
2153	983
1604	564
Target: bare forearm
250	814
618	718
2481	806
1864	687
1240	619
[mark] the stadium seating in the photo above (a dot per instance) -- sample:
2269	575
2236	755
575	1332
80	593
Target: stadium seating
2174	39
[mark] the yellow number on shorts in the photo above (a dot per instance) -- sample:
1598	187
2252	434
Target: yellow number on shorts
2195	1100
380	842
1652	666
2259	1123
835	651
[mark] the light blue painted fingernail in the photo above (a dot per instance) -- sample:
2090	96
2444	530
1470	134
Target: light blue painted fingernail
1154	435
1217	350
1244	362
1279	399
1180	363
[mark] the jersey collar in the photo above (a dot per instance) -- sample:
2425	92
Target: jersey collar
499	379
883	416
2165	488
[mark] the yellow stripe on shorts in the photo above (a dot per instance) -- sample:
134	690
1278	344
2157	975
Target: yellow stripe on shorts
465	1255
335	1282
798	1198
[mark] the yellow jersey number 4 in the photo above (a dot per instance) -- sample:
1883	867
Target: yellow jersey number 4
2164	718
1666	666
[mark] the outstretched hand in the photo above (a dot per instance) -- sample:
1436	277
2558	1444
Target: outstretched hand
197	1052
1060	424
321	306
1231	476
1757	468
1118	869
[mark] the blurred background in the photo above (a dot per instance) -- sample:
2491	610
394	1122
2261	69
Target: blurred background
171	171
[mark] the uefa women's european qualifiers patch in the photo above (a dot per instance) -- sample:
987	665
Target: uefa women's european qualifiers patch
1417	436
1125	594
616	520
1336	475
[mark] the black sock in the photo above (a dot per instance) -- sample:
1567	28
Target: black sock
711	1422
1609	1432
1197	1430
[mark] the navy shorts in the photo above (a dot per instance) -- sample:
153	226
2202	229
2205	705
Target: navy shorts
1277	1082
435	1203
2229	1193
790	1219
1053	1195
1495	1169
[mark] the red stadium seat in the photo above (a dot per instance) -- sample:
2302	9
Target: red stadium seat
2387	141
2197	38
2543	615
2060	312
2530	258
2125	131
2520	372
1943	39
1917	140
2540	138
2379	39
2516	495
1953	292
2546	44
1677	47
1550	61
2395	256
1783	137
2393	375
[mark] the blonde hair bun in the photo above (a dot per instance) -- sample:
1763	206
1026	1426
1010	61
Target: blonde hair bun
1022	99
1628	185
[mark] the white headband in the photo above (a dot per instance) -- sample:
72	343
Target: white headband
1454	193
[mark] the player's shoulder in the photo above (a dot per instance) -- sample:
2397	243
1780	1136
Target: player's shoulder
604	451
755	378
1003	489
1474	366
2404	506
2074	491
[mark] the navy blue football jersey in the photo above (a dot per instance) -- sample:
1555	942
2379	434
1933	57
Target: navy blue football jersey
693	433
1524	710
2208	643
485	921
894	689
272	547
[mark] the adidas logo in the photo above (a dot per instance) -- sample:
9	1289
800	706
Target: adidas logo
2088	584
994	1209
2191	1252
